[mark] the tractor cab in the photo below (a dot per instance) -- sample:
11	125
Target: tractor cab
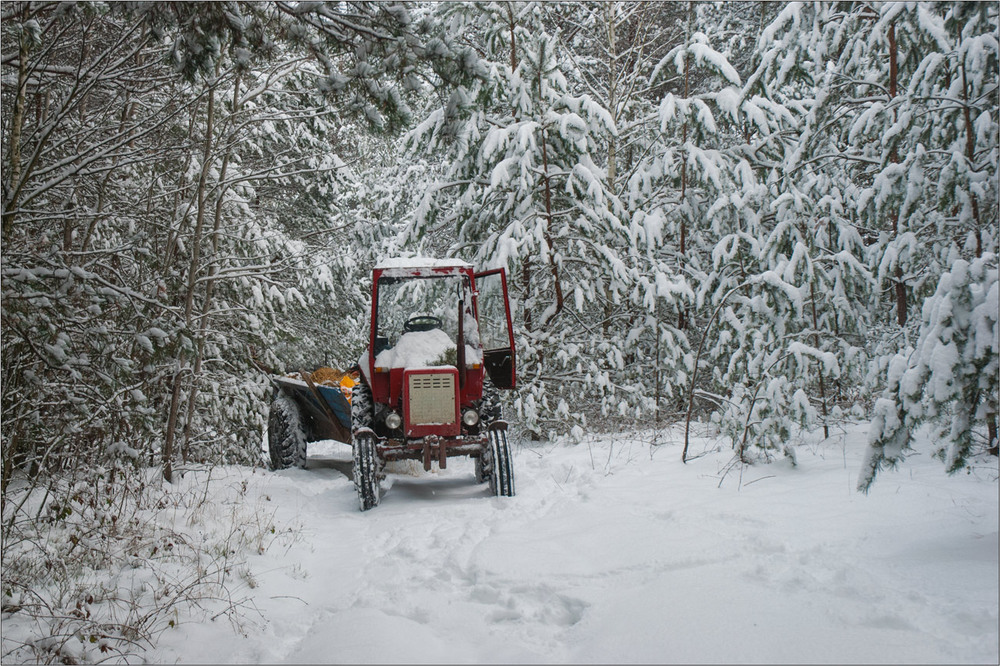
439	331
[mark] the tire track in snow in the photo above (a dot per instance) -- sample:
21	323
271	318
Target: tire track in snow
619	554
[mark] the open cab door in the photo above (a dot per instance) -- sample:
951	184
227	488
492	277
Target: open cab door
495	330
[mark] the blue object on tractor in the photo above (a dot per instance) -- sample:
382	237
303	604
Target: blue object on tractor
325	408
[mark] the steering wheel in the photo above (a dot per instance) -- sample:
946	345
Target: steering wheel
421	323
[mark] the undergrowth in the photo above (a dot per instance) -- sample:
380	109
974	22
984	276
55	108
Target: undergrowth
97	565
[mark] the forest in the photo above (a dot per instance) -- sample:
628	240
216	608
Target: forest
766	217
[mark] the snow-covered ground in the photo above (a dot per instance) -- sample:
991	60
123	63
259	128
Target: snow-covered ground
613	551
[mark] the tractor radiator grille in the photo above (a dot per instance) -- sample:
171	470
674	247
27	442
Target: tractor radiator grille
432	398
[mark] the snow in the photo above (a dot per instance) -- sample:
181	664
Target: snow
705	54
416	349
145	343
615	552
934	26
421	262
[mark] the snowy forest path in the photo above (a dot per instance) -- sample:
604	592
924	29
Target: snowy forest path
613	551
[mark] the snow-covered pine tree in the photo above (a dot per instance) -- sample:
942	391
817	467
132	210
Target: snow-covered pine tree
949	379
698	181
525	190
871	109
613	49
902	124
796	322
933	129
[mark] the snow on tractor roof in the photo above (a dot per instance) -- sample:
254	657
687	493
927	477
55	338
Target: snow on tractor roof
421	262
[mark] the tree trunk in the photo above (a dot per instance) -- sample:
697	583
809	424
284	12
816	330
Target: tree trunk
609	9
168	440
901	306
206	305
822	387
682	322
526	290
548	234
175	397
11	186
970	153
513	38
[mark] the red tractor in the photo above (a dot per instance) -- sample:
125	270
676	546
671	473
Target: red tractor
440	347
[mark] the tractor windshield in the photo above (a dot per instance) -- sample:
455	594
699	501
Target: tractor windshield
418	321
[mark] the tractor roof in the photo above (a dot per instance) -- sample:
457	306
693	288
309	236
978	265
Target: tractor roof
421	267
421	262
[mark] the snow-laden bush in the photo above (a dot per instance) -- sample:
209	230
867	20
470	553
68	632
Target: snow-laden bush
96	565
949	379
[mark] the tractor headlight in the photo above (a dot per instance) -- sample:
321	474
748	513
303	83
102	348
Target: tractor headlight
470	417
393	421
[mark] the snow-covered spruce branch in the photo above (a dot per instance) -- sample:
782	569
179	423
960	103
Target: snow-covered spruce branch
948	379
236	132
336	25
840	156
260	271
719	400
272	76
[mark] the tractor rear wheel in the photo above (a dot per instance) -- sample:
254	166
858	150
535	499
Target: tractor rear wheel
286	434
499	466
366	470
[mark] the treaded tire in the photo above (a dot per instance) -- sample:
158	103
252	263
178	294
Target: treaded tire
285	434
366	471
482	474
490	409
499	465
362	407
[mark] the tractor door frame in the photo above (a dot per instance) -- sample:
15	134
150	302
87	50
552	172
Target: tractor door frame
500	363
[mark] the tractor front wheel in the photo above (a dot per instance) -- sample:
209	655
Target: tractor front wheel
362	407
498	467
366	470
490	408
